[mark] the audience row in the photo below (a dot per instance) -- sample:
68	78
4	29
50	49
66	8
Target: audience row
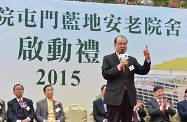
158	108
20	109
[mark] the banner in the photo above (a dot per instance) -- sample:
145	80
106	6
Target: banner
63	43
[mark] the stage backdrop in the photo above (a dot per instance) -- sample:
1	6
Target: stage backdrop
63	43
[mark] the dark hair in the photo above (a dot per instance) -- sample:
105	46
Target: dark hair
185	91
157	88
46	87
115	40
18	85
103	87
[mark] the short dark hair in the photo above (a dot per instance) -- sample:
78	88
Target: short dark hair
46	87
185	91
115	40
103	87
18	85
157	88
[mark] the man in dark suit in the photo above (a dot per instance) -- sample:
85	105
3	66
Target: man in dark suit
120	95
158	108
139	111
182	108
48	109
20	109
2	111
99	108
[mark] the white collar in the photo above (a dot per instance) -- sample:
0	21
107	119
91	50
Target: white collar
159	100
118	55
19	99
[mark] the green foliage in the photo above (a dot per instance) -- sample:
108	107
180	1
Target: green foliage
162	3
183	4
109	1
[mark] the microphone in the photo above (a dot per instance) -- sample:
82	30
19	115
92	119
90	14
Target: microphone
123	55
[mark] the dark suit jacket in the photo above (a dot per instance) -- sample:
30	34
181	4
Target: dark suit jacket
142	114
42	111
2	110
116	80
99	111
153	108
13	106
182	110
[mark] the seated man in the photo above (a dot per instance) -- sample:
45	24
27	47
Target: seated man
20	109
99	108
138	112
158	108
182	108
2	111
48	109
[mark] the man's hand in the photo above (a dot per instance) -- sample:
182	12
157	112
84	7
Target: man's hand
165	103
123	63
138	105
146	53
25	120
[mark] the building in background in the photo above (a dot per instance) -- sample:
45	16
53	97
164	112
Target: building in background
174	86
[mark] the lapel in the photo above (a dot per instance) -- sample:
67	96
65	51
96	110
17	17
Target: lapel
16	105
24	100
54	107
116	59
130	63
101	105
155	103
45	104
24	109
185	102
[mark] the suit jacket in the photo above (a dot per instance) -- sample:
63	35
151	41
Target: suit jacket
2	110
116	80
153	108
142	114
99	111
182	110
13	106
42	111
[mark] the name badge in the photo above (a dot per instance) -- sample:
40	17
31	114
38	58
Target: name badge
57	109
28	108
131	68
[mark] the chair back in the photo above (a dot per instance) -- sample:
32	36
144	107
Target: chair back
75	113
177	117
91	116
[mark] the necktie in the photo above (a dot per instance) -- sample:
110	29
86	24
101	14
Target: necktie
21	102
161	105
105	107
135	117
